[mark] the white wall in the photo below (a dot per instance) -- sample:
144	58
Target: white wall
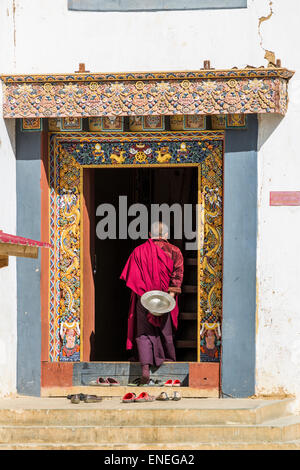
44	37
49	38
278	268
8	296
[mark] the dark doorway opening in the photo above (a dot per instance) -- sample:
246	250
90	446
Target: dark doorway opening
145	186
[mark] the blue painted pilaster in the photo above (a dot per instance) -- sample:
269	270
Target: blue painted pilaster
28	170
239	271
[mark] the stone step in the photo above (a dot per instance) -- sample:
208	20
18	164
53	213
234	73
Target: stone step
289	445
112	412
40	423
109	392
127	372
285	429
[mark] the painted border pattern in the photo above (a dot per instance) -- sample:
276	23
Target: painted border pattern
69	153
249	72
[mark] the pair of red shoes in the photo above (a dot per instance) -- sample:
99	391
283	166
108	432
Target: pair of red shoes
172	383
131	397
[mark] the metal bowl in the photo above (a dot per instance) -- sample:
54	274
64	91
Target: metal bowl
158	302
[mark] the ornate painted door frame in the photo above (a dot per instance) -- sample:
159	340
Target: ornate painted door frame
69	154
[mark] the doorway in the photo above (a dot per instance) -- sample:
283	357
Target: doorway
146	186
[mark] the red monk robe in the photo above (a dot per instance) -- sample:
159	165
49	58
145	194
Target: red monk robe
154	265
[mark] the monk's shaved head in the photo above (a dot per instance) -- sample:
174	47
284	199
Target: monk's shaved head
159	229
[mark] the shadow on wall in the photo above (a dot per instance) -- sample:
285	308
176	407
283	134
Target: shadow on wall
10	125
267	124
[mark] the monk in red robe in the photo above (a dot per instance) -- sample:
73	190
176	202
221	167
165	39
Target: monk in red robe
154	265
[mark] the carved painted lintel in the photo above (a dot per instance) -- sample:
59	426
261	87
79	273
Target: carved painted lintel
235	91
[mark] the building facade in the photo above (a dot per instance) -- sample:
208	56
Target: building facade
232	65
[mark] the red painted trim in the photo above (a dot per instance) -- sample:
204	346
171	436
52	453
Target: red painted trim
204	375
16	240
285	198
56	374
88	286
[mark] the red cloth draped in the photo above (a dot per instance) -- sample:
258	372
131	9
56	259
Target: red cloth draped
148	268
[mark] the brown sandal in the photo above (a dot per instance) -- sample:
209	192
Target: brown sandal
163	397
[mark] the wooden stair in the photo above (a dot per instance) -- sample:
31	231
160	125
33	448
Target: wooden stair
191	261
189	289
188	316
186	344
186	338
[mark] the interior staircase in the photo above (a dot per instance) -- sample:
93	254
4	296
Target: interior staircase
189	424
186	336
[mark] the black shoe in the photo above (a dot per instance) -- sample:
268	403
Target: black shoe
80	395
75	399
92	399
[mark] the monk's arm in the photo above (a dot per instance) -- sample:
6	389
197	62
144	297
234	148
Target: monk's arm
177	274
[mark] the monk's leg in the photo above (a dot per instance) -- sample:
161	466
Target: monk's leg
167	339
145	351
143	342
149	340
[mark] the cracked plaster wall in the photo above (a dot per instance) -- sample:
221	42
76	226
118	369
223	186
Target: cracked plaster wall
278	270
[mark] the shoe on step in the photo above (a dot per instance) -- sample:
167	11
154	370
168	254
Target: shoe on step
168	383
112	381
176	396
75	399
100	381
143	397
176	383
129	397
92	399
163	396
